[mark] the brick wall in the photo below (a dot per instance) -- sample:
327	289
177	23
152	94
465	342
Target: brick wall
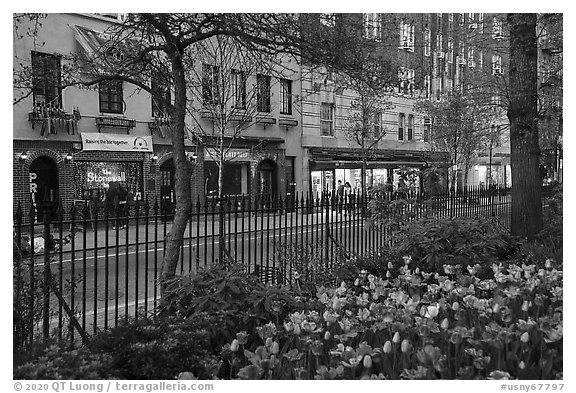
57	151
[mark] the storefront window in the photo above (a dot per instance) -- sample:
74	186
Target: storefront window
94	178
232	179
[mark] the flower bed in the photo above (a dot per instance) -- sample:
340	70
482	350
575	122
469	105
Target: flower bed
416	325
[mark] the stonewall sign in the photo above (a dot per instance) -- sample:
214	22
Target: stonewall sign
114	142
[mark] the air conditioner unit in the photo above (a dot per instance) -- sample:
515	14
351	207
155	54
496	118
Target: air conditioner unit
461	60
497	70
405	44
440	54
471	63
473	26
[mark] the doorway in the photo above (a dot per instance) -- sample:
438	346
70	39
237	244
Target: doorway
44	188
266	180
167	198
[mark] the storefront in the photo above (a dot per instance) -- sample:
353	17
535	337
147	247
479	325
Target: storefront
328	165
235	174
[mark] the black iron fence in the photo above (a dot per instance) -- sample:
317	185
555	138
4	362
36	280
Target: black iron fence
86	272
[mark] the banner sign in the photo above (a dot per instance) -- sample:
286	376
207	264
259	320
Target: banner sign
230	155
114	142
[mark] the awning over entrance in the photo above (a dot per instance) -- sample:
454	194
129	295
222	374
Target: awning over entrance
350	158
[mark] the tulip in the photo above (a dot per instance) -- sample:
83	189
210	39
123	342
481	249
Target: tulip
433	311
496	308
327	336
525	306
297	329
367	361
340	347
455	306
524	337
405	345
390	265
522	365
444	324
234	346
387	347
396	338
388	275
275	348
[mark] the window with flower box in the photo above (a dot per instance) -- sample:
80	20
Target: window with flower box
46	80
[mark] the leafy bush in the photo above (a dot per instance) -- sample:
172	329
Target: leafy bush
161	349
306	266
431	243
238	297
135	349
57	363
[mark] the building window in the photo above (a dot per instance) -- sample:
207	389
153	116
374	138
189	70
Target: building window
410	127
471	61
496	65
286	96
401	126
210	84
46	80
427	42
263	93
161	97
328	20
439	43
481	22
372	27
481	60
427	129
111	96
427	86
326	119
406	79
407	36
450	23
450	50
497	29
239	88
439	23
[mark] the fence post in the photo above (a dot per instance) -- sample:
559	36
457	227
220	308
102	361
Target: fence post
47	275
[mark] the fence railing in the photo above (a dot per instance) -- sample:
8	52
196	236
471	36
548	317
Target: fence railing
86	272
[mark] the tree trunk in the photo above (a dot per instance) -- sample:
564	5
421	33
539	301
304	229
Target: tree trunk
220	179
183	170
522	114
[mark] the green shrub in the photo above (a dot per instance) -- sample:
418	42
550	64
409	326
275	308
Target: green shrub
57	363
230	292
161	349
431	243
